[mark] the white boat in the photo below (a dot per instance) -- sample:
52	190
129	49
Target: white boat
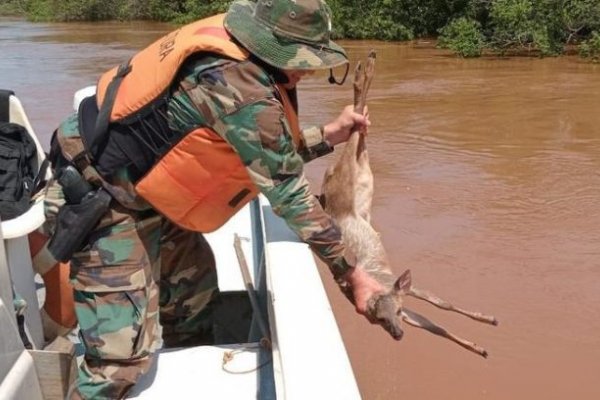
306	360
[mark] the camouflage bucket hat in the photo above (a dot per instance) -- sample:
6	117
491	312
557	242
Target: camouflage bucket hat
288	34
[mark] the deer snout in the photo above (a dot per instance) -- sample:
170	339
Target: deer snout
393	328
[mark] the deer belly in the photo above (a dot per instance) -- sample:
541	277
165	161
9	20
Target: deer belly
364	243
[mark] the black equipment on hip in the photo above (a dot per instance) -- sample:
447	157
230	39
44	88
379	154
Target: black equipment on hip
83	210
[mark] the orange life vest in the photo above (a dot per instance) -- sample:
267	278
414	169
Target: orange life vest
201	182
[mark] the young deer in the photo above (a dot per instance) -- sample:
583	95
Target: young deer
347	193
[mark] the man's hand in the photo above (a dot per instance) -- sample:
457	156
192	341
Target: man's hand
363	286
339	130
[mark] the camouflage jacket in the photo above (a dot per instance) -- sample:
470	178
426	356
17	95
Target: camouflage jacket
236	100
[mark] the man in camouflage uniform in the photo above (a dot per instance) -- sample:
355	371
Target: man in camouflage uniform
137	269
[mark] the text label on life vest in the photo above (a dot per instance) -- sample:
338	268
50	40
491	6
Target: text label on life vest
167	45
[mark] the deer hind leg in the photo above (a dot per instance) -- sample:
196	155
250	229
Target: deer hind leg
346	169
417	320
339	182
364	187
364	176
444	305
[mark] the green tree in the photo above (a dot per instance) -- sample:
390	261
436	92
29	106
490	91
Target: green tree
511	24
463	36
382	19
523	25
13	7
579	16
199	9
542	27
590	48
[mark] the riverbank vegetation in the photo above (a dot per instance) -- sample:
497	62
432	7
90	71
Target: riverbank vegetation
467	27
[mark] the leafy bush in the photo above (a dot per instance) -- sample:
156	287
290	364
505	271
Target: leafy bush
96	10
591	48
194	9
512	25
579	16
70	10
12	7
463	36
531	25
543	27
381	19
41	10
161	10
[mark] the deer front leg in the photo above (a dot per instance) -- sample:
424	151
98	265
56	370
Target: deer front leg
444	305
417	320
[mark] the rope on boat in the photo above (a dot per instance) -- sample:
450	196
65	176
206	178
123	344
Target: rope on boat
229	355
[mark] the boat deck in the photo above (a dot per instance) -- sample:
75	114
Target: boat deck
177	374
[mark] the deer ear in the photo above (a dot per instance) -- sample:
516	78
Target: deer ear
403	283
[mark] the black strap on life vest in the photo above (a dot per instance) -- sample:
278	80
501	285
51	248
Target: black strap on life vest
4	104
110	96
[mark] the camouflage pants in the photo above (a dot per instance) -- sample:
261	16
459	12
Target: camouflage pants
137	274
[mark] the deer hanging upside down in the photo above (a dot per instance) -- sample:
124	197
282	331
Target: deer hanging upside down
347	194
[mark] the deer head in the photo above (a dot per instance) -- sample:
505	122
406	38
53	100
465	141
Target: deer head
385	309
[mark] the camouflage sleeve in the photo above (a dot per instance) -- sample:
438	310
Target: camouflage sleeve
313	144
260	134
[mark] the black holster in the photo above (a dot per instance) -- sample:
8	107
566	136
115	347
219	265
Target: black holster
74	223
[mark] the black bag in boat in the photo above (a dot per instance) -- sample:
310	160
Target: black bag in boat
18	170
20	174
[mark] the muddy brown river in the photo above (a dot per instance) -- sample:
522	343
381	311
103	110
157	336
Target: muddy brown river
487	188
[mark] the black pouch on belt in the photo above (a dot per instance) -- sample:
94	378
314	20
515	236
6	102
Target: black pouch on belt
74	222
